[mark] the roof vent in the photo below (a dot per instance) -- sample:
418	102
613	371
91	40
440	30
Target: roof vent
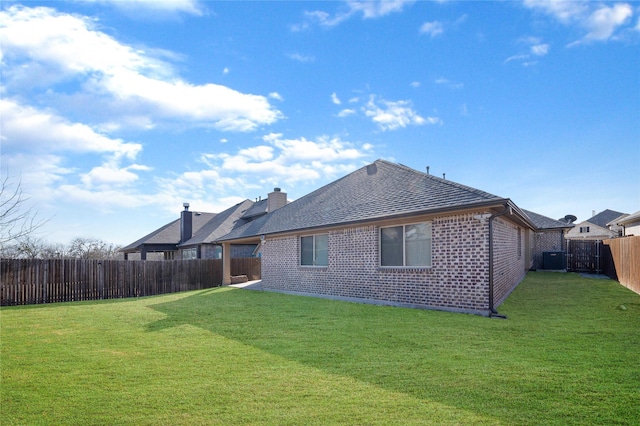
186	206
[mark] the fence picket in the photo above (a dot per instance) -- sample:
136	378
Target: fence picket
24	281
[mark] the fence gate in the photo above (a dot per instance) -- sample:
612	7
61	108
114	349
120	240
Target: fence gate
584	256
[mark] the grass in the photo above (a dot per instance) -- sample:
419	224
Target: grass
567	354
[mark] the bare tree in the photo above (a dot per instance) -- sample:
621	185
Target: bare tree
92	248
17	218
30	247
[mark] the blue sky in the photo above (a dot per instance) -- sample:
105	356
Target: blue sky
114	113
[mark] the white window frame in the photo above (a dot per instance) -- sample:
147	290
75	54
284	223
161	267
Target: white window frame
314	251
404	247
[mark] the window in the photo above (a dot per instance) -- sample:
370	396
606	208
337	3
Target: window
406	245
584	229
191	253
519	249
314	250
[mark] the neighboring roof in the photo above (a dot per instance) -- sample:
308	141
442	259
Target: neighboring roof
378	190
633	217
257	209
604	217
221	224
170	233
616	220
544	222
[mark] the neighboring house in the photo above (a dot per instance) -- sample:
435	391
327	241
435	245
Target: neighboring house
392	235
194	235
597	227
165	240
630	224
549	237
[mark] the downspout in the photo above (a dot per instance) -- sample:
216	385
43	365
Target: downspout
492	312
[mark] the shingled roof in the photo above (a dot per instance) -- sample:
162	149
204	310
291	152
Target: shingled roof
544	222
379	190
220	225
604	217
170	233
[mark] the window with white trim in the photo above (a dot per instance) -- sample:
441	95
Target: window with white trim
314	250
406	245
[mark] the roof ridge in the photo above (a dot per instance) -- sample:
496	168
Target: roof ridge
441	180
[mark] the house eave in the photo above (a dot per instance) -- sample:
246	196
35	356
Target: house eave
490	204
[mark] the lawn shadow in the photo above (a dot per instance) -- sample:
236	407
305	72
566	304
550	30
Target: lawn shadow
495	368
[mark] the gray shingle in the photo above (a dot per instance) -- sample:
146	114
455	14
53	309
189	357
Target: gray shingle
378	190
604	217
544	222
170	233
220	225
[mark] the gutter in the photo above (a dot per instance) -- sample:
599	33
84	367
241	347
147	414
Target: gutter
492	311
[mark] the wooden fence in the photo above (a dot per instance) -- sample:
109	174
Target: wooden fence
623	261
249	266
24	282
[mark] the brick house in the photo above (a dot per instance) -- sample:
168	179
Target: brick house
549	236
392	235
194	234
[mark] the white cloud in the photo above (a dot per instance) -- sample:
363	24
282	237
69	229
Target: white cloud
415	84
40	131
535	47
335	99
125	78
393	115
186	6
285	160
516	58
448	83
604	21
564	11
433	29
108	176
380	8
540	49
301	58
277	96
372	9
600	21
346	112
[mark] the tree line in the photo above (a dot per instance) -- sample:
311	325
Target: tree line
19	226
31	247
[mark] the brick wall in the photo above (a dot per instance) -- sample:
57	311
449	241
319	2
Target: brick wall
508	259
458	279
549	240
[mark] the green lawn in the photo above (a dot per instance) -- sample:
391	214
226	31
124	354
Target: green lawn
569	353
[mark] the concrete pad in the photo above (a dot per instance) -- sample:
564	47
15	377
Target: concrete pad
249	285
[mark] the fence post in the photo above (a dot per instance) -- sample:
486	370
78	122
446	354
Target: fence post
100	280
45	281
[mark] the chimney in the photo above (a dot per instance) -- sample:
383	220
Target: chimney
593	213
276	199
186	223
